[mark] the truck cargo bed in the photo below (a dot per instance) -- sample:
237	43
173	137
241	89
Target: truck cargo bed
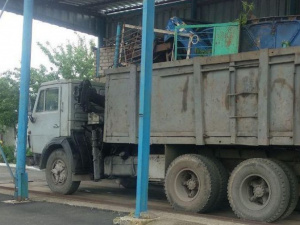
241	99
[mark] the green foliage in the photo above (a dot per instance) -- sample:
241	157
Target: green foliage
9	98
71	60
39	76
29	152
9	92
9	154
247	11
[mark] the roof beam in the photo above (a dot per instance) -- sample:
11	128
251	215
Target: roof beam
209	2
61	16
101	3
63	6
137	7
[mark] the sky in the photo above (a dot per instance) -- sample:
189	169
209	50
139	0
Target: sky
11	28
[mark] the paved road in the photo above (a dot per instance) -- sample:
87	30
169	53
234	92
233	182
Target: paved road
36	213
33	175
109	196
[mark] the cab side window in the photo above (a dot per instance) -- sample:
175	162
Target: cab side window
48	100
41	102
51	100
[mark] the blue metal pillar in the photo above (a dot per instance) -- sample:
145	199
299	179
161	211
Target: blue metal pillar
117	48
21	190
145	107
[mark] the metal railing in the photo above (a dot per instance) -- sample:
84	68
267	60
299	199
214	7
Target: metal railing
206	40
130	44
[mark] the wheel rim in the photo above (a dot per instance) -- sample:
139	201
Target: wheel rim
59	172
255	192
187	185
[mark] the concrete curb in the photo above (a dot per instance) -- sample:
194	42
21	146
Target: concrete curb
131	220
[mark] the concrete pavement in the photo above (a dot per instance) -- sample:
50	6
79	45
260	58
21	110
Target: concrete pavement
108	196
34	213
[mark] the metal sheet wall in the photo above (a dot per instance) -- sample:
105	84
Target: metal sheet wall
223	11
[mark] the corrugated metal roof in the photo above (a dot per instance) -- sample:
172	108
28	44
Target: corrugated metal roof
107	7
213	11
101	16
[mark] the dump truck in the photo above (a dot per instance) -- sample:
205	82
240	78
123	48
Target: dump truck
223	128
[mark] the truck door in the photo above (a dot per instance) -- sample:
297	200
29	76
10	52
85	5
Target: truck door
46	116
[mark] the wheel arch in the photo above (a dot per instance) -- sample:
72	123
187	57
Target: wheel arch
67	144
174	151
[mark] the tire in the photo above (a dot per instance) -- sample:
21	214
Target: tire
191	183
223	177
259	190
128	183
59	173
294	192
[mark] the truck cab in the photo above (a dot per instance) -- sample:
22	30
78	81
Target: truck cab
57	133
65	134
56	112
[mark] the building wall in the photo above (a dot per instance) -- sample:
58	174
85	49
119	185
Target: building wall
106	59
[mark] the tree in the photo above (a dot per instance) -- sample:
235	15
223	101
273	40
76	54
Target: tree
69	61
9	98
72	60
39	76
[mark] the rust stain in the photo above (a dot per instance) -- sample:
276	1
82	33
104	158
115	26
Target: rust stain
184	96
282	82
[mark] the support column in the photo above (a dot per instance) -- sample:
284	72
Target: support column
21	188
117	48
145	107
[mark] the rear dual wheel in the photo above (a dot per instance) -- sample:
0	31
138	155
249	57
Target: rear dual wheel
193	183
259	189
294	188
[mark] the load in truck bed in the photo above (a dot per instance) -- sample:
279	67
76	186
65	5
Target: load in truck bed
241	99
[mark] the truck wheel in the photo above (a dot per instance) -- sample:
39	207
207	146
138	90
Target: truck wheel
258	189
223	176
294	192
59	173
191	183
